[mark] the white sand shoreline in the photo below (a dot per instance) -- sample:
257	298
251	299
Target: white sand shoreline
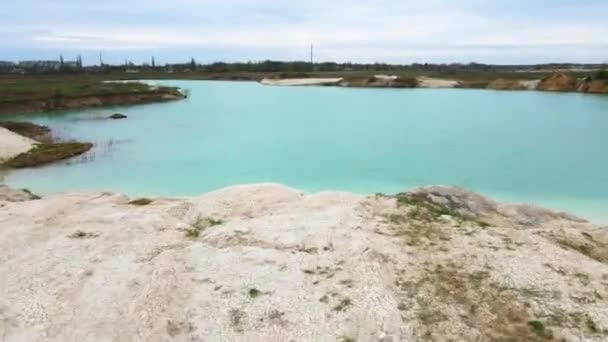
267	262
293	82
13	144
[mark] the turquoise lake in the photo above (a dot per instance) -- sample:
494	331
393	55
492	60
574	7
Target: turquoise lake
544	148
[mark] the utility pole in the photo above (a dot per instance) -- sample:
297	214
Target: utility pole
312	64
153	63
100	60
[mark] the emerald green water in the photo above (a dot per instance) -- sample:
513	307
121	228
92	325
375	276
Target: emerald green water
544	148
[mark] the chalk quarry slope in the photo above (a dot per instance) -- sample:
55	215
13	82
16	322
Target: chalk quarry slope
270	263
12	144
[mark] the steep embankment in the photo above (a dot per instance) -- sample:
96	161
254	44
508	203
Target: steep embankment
269	263
558	82
594	86
62	103
563	82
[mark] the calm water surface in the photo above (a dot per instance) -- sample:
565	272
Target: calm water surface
544	148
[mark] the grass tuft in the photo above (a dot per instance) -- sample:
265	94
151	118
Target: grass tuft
343	304
254	293
538	328
82	235
33	195
200	225
47	153
141	202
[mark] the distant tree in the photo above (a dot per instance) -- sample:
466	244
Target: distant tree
603	73
192	64
79	62
153	63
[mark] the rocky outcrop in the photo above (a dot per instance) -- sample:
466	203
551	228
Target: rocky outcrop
558	82
117	116
592	86
269	263
563	82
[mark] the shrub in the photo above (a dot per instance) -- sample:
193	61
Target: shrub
407	82
141	201
602	74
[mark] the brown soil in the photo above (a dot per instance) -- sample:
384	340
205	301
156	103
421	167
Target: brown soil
558	82
48	153
33	106
30	130
374	82
597	87
502	84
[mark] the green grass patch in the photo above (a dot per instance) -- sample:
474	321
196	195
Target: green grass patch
538	328
602	74
193	233
343	304
33	195
254	293
200	225
583	278
47	153
141	202
423	209
27	129
57	87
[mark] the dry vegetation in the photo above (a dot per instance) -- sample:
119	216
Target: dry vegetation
47	153
41	87
30	130
447	293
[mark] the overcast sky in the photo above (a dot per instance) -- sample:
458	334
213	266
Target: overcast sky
394	31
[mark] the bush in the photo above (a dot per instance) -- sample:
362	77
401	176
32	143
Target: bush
141	201
288	75
407	82
602	74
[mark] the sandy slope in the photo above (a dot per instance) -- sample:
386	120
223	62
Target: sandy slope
301	81
283	265
12	144
428	82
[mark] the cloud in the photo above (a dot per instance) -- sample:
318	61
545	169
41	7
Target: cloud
391	30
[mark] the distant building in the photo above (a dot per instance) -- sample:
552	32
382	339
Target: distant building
40	65
7	66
